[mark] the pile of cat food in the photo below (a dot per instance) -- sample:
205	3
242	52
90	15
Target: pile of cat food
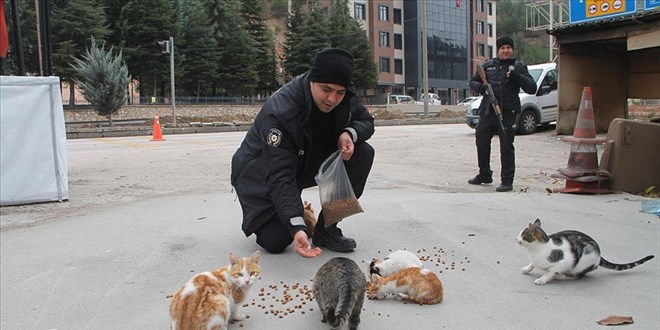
281	300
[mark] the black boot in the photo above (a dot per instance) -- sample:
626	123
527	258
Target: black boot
332	237
482	178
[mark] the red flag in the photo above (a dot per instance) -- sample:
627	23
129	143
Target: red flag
4	36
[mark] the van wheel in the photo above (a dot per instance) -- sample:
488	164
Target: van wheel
528	122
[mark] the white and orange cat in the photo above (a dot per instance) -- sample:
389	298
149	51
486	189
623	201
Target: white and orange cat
394	262
211	299
415	284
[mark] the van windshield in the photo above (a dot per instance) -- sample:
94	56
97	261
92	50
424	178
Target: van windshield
535	73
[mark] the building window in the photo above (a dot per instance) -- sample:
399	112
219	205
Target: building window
383	13
398	66
397	16
480	6
490	52
490	8
490	30
481	49
359	11
384	64
480	27
384	39
398	41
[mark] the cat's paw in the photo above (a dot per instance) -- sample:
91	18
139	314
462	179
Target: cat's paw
540	281
527	269
402	296
238	316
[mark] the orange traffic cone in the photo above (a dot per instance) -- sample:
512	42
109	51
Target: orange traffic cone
158	135
582	174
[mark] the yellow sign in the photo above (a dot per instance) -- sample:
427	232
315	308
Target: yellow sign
596	8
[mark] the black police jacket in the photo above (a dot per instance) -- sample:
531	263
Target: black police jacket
506	89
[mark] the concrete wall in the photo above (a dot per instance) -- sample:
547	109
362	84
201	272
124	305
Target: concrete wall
601	68
149	111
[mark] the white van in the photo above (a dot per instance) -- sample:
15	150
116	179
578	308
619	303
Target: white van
434	99
535	109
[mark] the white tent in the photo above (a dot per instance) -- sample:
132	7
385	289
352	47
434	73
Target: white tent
32	141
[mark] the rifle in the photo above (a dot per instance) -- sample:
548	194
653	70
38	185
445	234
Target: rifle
491	96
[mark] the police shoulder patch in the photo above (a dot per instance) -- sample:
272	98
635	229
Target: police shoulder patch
274	137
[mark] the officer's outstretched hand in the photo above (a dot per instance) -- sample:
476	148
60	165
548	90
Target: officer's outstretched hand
302	247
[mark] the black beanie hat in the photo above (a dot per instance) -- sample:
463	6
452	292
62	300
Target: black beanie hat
332	65
504	41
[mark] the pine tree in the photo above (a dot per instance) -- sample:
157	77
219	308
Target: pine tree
255	25
103	79
143	24
237	74
198	57
73	25
293	64
310	36
348	34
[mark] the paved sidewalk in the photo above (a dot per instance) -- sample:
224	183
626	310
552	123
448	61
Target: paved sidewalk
116	269
113	261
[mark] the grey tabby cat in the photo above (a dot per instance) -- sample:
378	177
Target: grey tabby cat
339	289
567	254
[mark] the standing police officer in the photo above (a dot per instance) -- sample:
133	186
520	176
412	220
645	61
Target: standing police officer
506	76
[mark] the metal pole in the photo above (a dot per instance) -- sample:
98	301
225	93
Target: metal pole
425	62
173	96
16	23
552	18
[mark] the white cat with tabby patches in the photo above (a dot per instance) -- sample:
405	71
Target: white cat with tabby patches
567	254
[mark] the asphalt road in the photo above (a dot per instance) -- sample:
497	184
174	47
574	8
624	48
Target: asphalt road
146	216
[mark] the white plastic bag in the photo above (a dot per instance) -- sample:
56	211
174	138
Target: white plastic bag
338	199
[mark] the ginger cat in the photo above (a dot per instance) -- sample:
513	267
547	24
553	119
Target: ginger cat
210	299
415	284
309	217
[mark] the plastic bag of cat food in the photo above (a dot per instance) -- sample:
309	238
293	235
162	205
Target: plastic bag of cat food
338	199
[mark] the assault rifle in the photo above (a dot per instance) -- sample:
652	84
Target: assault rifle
491	97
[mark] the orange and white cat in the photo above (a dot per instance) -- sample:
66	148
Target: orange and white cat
210	299
415	284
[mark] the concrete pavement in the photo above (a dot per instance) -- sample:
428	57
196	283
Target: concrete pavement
115	268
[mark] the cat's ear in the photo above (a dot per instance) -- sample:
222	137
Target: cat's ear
537	223
255	257
233	259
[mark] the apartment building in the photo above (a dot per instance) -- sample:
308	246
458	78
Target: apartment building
460	34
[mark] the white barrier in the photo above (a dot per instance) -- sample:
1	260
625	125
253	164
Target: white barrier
32	141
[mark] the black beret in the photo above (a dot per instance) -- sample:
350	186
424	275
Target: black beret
332	65
504	41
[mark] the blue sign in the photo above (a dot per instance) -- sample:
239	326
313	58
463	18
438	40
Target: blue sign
651	4
592	10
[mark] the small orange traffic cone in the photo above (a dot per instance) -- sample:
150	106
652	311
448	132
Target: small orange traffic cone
582	174
158	135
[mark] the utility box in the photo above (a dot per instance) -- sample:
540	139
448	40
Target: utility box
632	156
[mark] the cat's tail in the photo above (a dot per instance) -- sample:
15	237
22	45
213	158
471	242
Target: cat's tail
606	264
344	308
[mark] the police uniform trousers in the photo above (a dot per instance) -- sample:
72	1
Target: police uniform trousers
488	127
